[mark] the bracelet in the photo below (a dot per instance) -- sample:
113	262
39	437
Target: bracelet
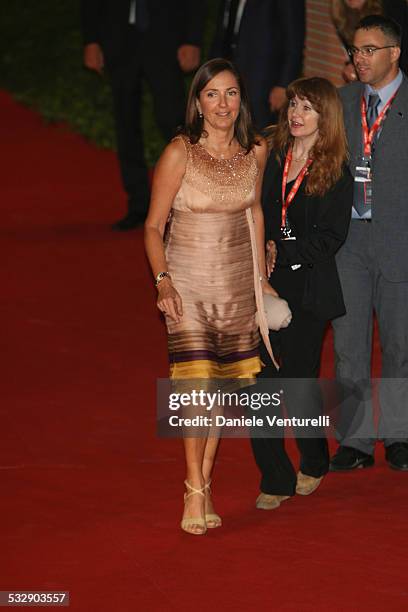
160	277
262	277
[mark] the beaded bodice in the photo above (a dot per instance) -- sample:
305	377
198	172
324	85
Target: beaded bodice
216	185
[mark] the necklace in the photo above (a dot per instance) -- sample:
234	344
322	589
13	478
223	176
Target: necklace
218	155
298	159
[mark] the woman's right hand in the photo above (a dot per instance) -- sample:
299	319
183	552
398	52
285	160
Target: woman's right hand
169	301
349	73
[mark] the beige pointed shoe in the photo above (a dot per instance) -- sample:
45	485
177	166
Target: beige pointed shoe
307	484
269	502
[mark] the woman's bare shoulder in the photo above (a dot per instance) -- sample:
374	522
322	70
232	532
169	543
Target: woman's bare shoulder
174	155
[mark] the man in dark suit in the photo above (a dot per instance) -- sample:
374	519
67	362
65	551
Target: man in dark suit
142	39
373	262
265	39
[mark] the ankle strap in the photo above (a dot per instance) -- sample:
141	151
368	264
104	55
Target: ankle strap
193	491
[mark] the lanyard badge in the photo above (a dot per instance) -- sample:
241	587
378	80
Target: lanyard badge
363	173
287	201
368	135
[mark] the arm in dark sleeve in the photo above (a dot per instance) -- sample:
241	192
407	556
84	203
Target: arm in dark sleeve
91	13
329	232
292	25
194	14
271	204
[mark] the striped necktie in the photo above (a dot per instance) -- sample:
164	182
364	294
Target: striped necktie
372	109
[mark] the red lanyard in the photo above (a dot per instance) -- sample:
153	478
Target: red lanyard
286	202
368	135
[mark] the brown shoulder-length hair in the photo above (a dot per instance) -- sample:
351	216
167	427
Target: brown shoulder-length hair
330	149
345	18
244	130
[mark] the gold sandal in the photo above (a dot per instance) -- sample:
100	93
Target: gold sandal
213	518
188	524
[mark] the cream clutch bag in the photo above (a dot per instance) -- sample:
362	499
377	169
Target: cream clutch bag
277	312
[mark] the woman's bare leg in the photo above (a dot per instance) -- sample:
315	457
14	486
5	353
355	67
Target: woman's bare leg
210	453
195	504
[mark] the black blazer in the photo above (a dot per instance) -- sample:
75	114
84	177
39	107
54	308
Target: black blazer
172	23
327	220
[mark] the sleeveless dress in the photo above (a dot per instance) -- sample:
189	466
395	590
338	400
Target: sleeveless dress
209	256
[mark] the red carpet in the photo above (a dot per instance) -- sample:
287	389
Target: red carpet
91	499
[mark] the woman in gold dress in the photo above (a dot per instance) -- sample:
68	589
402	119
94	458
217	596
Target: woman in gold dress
206	180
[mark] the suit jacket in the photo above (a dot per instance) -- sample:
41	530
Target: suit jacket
171	24
326	226
270	43
389	177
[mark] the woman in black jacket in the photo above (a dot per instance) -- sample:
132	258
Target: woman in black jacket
347	13
307	199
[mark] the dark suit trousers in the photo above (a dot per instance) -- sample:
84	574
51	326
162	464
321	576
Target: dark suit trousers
161	71
299	348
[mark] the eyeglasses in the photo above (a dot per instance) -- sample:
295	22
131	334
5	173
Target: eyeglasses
366	51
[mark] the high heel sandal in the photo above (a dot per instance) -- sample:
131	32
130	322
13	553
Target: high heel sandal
188	524
212	517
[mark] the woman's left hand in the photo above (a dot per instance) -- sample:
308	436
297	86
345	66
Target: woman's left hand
271	253
349	74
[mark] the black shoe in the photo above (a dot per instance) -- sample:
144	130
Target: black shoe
347	458
397	456
131	221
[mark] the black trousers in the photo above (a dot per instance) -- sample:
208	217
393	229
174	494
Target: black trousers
298	348
159	67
